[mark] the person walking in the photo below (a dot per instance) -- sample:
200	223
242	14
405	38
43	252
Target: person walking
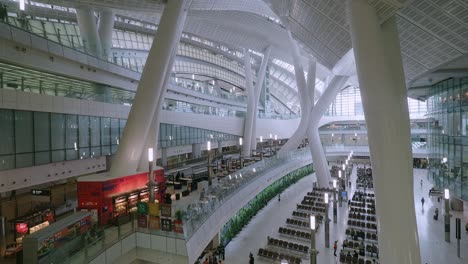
222	252
436	216
335	246
422	201
421	183
279	197
2	13
251	258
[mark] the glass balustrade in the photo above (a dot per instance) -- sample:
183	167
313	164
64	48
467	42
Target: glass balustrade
203	207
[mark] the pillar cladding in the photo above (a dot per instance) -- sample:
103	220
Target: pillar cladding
251	111
318	154
150	88
306	106
258	90
88	30
384	97
106	27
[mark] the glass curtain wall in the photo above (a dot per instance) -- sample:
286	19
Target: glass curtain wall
36	138
447	136
348	103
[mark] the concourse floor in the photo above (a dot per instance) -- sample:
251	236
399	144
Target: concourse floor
434	249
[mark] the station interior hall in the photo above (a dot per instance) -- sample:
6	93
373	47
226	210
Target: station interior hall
232	132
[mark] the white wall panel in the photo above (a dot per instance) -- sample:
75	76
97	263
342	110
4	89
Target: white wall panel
158	243
143	240
30	176
114	252
128	243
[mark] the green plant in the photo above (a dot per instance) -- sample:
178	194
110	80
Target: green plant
179	214
245	214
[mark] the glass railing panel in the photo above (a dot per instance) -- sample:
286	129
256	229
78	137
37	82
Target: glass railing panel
50	33
202	208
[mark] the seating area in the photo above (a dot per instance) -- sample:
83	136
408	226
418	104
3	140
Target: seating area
285	245
322	190
361	247
344	258
362	210
364	178
294	233
310	208
359	216
362	204
312	203
356	234
318	218
297	223
334	171
314	198
362	224
278	256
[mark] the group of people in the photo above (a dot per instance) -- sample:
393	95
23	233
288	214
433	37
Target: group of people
217	257
212	260
355	234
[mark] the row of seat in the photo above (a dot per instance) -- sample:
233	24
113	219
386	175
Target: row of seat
278	256
362	211
353	260
294	233
297	222
318	218
361	205
361	234
368	194
315	194
362	199
288	245
322	189
310	208
360	216
357	245
311	203
314	198
362	224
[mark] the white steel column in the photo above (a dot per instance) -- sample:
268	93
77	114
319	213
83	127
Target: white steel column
318	154
88	30
106	27
251	111
258	90
150	88
384	97
307	103
152	140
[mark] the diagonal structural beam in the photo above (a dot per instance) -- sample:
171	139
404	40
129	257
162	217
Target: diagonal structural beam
150	89
249	118
384	97
258	89
315	145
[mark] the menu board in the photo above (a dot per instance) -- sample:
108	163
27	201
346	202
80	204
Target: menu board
153	209
154	223
142	208
142	221
166	224
166	210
